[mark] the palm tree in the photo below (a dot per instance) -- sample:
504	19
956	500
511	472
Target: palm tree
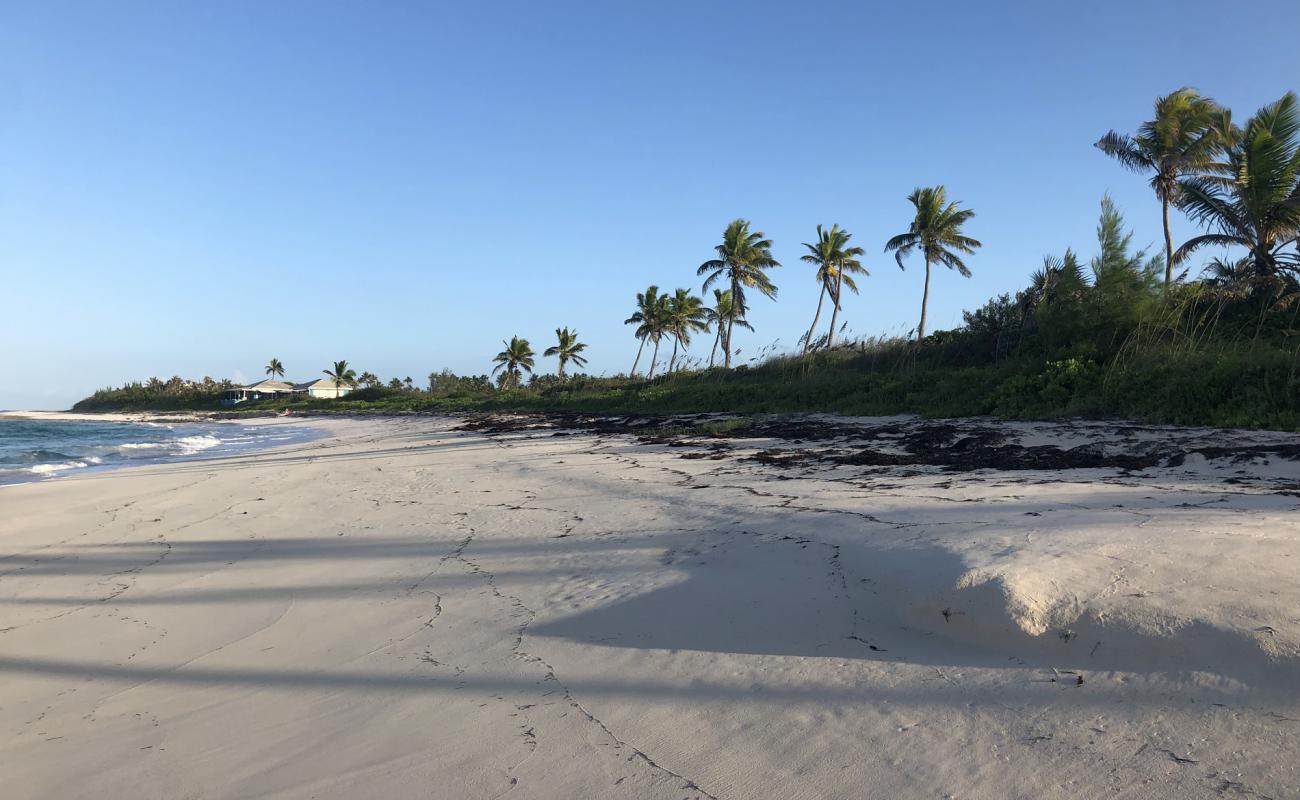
1061	276
517	356
657	327
723	315
1181	140
646	303
567	348
368	379
1224	274
342	375
686	314
1255	203
275	369
836	263
936	232
743	260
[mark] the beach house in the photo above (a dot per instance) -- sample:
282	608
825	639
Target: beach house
255	391
322	387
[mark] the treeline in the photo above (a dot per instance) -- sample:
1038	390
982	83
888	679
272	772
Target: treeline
157	394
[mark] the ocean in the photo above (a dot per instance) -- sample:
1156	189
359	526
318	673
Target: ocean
42	449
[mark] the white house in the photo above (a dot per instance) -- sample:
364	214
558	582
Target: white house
322	387
261	390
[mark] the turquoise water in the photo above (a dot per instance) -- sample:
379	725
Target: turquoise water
41	449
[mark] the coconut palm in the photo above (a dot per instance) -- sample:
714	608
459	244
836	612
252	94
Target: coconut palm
568	348
646	304
517	356
836	264
342	375
368	379
1225	274
657	327
275	369
743	260
1061	276
936	231
723	316
1255	203
1181	140
685	314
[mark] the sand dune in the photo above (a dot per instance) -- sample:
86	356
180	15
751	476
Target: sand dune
816	608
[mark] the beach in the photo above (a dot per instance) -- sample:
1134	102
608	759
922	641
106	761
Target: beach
564	608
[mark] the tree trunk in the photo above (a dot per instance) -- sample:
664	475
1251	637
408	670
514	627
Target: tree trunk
716	340
1169	244
726	354
637	360
672	362
925	301
561	370
807	345
653	360
835	310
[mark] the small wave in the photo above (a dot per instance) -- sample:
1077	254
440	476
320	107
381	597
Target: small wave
50	469
142	446
195	444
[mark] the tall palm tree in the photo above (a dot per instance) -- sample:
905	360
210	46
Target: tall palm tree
936	231
1181	140
275	369
646	303
836	264
517	356
743	260
723	315
342	375
657	327
1255	203
368	379
568	348
686	314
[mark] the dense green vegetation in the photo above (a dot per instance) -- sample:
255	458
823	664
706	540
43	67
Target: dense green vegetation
1121	333
155	394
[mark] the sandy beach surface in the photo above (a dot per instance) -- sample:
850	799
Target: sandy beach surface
816	608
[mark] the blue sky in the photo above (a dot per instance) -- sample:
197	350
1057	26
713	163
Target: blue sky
191	188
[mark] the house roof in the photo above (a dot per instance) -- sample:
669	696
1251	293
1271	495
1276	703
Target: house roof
319	383
270	386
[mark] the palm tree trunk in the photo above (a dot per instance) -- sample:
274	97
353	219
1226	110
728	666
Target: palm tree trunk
835	310
731	321
716	340
726	354
807	345
672	363
925	301
1169	244
654	359
637	360
561	370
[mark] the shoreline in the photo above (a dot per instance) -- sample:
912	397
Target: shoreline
659	610
205	439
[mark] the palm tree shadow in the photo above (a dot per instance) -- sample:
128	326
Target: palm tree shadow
903	604
792	597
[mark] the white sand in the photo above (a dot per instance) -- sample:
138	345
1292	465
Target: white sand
405	611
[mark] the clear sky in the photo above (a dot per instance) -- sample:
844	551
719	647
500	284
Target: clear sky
194	187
